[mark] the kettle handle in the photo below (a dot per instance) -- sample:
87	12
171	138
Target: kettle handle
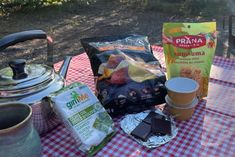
15	38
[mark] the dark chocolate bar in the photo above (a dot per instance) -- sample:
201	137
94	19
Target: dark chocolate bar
161	126
142	131
151	114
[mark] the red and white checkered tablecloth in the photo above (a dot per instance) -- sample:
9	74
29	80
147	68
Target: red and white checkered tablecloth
210	132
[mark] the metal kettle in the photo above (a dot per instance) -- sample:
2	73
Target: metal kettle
32	83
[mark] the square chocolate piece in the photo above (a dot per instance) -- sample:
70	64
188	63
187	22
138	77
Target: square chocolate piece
142	131
148	118
161	126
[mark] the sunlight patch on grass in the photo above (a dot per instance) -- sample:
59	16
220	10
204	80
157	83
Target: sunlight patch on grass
54	2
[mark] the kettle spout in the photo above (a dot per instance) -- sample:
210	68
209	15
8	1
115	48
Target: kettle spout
64	68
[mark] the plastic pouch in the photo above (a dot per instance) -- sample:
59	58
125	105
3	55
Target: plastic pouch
189	50
130	78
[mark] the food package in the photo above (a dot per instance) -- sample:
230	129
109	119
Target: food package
129	77
84	116
189	50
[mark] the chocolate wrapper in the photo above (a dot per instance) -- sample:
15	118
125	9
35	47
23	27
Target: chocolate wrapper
129	123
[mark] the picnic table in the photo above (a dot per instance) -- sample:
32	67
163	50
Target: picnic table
210	132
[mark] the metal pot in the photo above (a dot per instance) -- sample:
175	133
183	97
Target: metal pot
32	83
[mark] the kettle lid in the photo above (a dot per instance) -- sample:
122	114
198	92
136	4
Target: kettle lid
20	79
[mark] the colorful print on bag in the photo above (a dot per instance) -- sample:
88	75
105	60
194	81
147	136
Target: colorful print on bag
189	50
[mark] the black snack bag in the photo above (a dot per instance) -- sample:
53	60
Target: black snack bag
130	78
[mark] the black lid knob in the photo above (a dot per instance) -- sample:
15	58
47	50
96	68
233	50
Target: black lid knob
17	67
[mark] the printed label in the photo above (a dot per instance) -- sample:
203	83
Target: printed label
189	41
76	99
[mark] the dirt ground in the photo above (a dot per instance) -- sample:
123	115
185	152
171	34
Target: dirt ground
68	25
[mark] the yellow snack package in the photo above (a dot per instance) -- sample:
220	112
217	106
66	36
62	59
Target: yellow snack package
189	50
